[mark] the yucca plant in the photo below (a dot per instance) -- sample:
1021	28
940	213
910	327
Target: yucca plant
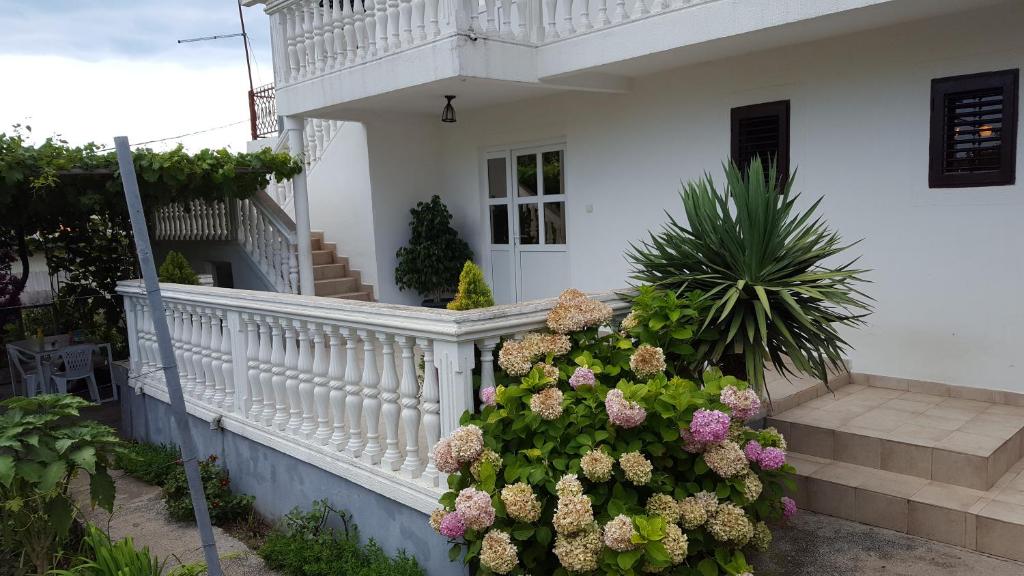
766	266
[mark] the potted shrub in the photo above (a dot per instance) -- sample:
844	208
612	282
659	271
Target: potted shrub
431	262
473	289
177	270
767	271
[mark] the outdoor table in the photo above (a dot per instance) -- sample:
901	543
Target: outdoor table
43	353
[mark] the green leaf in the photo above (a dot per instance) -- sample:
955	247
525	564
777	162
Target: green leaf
59	513
454	551
6	469
708	567
101	489
85	457
626	560
52	474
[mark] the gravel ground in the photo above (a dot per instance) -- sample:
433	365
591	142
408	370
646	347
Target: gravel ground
817	545
139	513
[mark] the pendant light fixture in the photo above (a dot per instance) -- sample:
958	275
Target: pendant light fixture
448	114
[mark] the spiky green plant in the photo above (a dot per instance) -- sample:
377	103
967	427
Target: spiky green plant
473	289
767	268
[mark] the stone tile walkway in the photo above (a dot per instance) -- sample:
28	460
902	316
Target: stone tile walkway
816	545
139	512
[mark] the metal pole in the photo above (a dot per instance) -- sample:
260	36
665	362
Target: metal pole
163	338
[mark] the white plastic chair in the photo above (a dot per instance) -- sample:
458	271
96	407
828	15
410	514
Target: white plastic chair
77	366
27	369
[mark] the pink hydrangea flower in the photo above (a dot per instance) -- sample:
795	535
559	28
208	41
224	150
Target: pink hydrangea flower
772	458
788	507
475	507
753	450
453	525
709	426
622	412
743	403
581	377
689	443
443	457
488	396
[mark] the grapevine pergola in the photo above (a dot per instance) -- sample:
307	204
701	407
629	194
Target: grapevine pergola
68	202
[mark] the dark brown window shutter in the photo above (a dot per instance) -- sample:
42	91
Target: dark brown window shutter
973	130
762	130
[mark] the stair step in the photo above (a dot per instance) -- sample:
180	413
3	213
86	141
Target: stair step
329	271
990	521
961	442
336	286
363	295
322	257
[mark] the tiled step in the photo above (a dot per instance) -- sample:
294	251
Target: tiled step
961	442
322	257
989	521
329	271
336	286
362	295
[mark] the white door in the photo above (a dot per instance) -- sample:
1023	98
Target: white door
527	215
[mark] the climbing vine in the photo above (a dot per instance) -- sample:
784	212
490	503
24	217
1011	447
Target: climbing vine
69	202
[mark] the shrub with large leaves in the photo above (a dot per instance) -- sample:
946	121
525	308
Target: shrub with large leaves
768	268
43	444
600	458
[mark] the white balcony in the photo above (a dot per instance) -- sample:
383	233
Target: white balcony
348	60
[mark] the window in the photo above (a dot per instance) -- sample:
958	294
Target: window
973	130
762	130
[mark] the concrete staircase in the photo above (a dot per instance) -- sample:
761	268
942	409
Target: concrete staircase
331	273
919	462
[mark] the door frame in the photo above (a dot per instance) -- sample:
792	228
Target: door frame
512	201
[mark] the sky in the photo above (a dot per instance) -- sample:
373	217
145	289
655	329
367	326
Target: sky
89	70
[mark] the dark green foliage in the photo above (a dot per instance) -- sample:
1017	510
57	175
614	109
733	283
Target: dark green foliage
673	323
151	463
177	270
43	445
766	269
225	507
431	262
473	289
306	545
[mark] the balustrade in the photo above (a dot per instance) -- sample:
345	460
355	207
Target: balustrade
333	381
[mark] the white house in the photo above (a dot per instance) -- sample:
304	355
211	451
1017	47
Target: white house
902	113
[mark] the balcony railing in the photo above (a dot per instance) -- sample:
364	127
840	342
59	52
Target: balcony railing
263	112
316	37
335	383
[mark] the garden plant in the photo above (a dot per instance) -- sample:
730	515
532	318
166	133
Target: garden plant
473	289
225	506
177	270
43	445
607	455
769	270
431	262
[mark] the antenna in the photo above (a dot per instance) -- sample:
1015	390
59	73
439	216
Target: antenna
245	42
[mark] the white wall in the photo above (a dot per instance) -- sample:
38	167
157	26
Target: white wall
946	263
339	199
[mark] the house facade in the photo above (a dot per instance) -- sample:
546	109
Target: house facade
575	122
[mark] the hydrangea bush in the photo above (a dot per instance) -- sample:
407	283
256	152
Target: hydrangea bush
605	455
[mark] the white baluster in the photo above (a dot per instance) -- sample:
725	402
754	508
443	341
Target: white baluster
659	5
474	17
228	400
309	38
252	355
405	21
585	23
348	18
410	408
216	395
361	30
279	368
430	11
602	13
419	23
200	326
338	32
550	31
392	459
143	327
321	383
187	365
431	408
568	27
320	138
354	390
338	394
371	399
521	13
506	19
306	385
383	24
293	270
293	418
206	394
620	12
487	362
371	30
266	373
489	13
291	34
640	9
176	326
319	40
